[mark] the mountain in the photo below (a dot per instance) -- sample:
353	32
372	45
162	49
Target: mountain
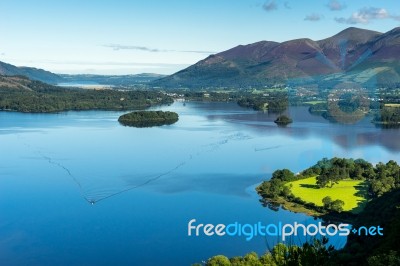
353	55
30	72
115	80
51	78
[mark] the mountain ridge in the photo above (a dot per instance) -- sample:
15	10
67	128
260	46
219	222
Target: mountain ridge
30	72
45	76
343	57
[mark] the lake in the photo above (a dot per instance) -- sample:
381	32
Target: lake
77	188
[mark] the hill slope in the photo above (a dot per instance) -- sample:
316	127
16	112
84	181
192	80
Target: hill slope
30	72
354	54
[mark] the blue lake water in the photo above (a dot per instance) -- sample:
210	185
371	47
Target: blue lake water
148	183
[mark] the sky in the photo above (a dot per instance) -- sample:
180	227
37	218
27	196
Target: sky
158	36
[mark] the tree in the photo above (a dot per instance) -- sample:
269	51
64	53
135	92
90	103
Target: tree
284	175
271	189
327	201
322	180
283	120
286	192
218	260
314	252
337	205
251	259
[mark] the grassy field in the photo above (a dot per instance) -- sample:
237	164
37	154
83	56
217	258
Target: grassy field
352	192
392	104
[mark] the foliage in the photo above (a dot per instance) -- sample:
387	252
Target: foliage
388	116
283	120
337	205
382	177
387	178
256	104
148	118
38	97
346	181
336	169
311	253
318	108
359	250
284	175
327	201
385	259
218	260
275	102
380	250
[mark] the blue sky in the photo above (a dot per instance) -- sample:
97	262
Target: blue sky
128	37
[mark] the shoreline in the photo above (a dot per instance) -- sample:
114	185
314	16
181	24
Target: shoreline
344	216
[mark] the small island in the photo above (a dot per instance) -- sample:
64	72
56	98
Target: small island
148	118
283	120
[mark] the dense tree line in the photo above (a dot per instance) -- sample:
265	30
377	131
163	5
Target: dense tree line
389	116
43	98
381	178
276	102
210	96
315	252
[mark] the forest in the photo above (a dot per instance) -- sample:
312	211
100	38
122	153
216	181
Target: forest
37	97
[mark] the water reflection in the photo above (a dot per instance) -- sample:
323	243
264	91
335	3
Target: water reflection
362	133
205	166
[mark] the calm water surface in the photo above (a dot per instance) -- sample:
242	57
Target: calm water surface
146	184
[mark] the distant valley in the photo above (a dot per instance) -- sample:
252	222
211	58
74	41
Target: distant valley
112	80
51	78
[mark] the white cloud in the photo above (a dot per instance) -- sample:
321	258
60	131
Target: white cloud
366	15
117	47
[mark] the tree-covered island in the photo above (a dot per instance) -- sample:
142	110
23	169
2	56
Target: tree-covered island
283	120
148	118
